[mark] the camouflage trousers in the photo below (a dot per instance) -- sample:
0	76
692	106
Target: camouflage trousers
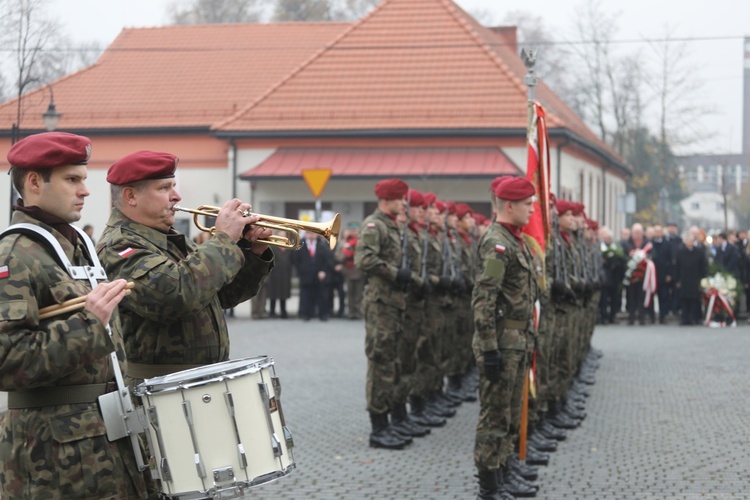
354	292
63	452
500	410
407	346
562	349
428	374
383	327
447	339
462	357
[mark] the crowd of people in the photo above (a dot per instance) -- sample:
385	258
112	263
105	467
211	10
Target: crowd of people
655	273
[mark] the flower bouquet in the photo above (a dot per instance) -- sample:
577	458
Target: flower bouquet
719	295
641	269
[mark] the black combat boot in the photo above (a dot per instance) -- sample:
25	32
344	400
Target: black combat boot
381	435
403	425
542	443
549	431
522	469
514	484
455	389
436	407
421	416
536	457
489	488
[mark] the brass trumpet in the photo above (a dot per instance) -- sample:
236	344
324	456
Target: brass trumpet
328	230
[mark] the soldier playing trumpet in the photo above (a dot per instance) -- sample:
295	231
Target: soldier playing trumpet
173	320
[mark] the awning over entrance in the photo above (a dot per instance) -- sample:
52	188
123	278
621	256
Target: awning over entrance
357	163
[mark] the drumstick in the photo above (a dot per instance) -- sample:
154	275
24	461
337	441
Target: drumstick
72	304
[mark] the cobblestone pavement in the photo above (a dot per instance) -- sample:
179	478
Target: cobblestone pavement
668	418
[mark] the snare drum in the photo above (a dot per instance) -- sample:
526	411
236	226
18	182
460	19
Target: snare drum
216	430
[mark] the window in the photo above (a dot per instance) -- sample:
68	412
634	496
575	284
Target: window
719	206
695	206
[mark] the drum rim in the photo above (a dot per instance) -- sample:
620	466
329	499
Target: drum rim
187	379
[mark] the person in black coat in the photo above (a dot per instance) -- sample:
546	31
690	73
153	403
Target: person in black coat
691	266
672	235
728	256
663	257
314	264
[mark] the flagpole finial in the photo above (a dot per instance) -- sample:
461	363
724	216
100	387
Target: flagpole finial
530	80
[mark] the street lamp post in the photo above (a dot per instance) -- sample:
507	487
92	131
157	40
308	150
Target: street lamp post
51	119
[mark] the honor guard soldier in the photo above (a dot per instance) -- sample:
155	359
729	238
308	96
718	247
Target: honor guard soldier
54	442
174	318
503	302
379	254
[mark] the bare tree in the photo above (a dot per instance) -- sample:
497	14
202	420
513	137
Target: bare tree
675	84
352	10
215	11
30	34
304	10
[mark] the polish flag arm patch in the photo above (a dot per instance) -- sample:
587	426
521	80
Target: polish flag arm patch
4	272
126	253
370	224
500	249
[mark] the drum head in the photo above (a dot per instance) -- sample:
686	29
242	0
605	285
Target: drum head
203	375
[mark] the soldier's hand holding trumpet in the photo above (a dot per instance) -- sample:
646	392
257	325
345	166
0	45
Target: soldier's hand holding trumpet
232	219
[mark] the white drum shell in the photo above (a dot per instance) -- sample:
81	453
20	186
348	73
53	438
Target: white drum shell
206	390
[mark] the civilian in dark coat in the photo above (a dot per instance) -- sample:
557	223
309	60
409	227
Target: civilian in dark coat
663	257
279	282
728	256
314	264
691	266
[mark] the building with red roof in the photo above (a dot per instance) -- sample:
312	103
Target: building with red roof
416	89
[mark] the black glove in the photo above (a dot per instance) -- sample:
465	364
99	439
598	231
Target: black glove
444	283
459	284
493	365
403	277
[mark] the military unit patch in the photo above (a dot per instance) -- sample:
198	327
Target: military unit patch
126	253
4	272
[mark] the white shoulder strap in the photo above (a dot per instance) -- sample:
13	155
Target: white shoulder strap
91	273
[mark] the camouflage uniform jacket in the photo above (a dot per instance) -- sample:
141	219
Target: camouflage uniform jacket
415	292
465	255
174	314
378	254
507	289
64	350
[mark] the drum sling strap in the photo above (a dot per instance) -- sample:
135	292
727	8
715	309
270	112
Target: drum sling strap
70	394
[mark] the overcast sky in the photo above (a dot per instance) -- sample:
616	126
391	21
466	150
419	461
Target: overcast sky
720	62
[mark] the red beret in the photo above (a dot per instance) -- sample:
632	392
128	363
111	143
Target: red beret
592	224
498	180
141	166
563	206
514	189
441	206
462	209
391	189
416	199
451	207
50	150
429	199
552	198
577	208
479	218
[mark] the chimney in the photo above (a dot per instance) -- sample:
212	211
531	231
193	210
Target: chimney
508	35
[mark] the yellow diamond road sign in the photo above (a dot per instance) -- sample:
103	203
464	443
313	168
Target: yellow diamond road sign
316	179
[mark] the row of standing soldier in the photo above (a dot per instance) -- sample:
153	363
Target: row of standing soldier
421	257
